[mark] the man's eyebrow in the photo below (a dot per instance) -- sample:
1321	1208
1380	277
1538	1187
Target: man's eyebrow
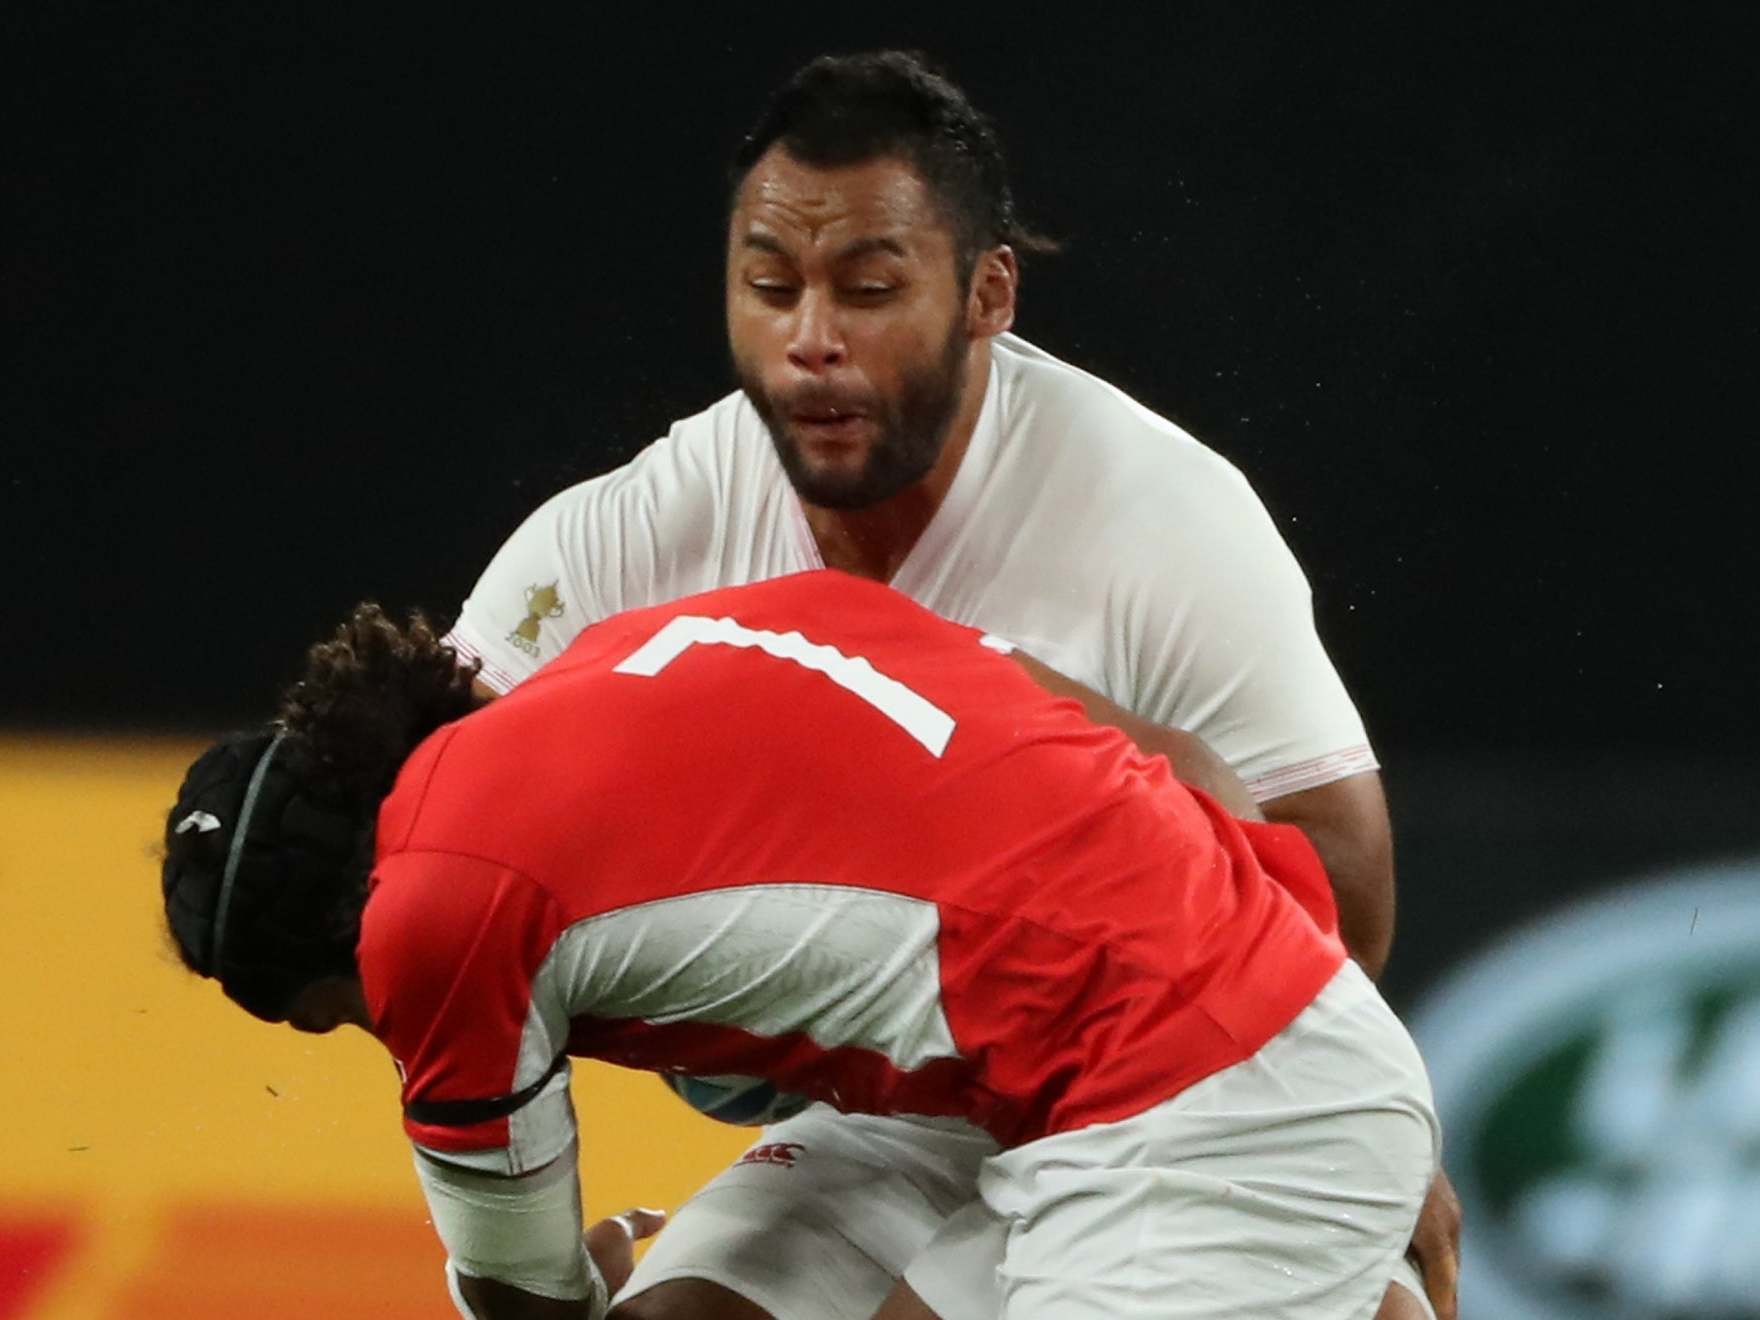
764	243
860	247
863	246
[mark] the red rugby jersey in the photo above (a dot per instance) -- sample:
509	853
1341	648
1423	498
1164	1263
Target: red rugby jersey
806	830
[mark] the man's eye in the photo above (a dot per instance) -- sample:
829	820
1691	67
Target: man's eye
772	288
871	292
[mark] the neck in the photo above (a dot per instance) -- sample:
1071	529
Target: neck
874	541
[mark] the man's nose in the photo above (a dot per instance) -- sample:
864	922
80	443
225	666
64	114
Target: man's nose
817	343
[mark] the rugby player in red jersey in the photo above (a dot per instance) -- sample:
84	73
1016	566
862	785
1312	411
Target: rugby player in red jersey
808	832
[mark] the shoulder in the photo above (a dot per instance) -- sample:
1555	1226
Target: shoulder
434	919
1062	414
701	460
1120	468
433	890
662	525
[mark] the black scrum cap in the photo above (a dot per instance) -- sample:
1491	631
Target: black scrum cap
259	865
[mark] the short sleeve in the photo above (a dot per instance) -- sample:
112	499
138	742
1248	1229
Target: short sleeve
1233	655
534	597
449	949
640	535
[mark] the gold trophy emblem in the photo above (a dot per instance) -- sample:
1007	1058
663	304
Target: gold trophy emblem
541	603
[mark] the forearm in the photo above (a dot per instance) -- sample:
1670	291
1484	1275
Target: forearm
513	1245
1189	756
488	1299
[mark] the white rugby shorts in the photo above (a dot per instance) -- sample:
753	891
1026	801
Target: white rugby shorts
819	1217
1283	1187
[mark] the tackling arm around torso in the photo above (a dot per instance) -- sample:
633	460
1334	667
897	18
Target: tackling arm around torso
1189	756
1346	820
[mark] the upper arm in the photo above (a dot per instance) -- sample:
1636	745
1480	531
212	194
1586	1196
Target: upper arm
1226	647
1347	822
450	953
1223	644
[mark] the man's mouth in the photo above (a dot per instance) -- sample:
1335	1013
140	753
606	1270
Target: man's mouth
827	423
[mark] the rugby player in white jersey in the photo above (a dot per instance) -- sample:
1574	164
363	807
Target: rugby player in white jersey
889	425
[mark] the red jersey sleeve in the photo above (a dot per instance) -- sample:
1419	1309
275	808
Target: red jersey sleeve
449	951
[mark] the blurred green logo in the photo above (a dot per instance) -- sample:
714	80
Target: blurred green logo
1598	1075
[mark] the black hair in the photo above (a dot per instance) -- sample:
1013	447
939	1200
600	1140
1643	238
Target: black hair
844	109
268	847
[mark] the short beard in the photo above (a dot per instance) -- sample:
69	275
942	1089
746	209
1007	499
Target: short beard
912	432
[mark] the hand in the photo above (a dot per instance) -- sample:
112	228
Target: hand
1436	1246
612	1243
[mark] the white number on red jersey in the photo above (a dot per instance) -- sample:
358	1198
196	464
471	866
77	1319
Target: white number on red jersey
912	712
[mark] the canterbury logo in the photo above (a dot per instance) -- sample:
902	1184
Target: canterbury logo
776	1152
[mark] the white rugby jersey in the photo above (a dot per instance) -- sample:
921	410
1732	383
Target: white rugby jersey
1094	534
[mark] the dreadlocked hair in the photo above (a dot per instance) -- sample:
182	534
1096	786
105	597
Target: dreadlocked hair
268	848
370	694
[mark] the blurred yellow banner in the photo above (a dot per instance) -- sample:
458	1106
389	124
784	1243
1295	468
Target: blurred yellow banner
162	1154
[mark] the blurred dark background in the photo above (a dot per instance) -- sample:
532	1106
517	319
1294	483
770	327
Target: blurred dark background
312	305
309	305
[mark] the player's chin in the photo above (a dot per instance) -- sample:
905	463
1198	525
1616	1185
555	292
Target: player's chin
829	492
846	454
834	482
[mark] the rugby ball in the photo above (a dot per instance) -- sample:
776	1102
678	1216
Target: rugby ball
742	1101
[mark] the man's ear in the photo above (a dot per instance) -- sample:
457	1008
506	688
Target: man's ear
990	303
